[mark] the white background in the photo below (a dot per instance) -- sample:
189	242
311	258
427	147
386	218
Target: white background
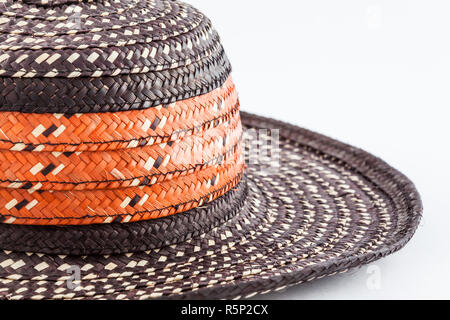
372	73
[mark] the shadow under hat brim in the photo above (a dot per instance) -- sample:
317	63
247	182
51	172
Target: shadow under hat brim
328	207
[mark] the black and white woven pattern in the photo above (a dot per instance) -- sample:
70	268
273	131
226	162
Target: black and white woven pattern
105	56
329	208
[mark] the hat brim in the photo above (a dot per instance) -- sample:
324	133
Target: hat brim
327	208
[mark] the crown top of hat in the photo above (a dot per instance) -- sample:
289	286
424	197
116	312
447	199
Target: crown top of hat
72	38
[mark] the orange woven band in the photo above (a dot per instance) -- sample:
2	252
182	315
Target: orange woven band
121	167
113	131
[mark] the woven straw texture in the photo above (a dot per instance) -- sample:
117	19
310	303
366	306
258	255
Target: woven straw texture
182	155
114	131
158	51
123	161
123	238
330	208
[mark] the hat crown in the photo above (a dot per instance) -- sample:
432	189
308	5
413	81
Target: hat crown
128	46
72	38
128	104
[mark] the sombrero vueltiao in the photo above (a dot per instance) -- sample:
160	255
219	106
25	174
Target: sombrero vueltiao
125	173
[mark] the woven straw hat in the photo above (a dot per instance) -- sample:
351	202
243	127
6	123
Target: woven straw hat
128	172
